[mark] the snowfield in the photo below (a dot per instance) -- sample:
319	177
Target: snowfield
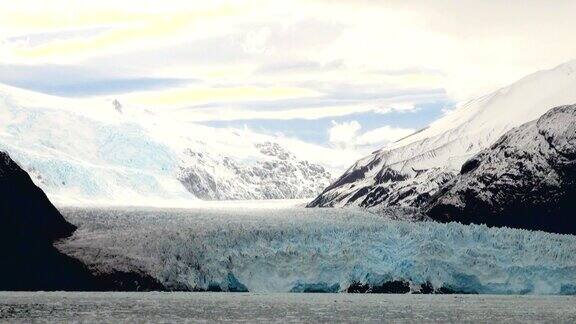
292	249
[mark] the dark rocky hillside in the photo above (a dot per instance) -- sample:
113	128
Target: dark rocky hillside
527	179
29	224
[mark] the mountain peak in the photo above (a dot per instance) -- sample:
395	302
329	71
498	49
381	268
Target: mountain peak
447	143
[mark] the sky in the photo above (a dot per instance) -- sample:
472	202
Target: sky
344	74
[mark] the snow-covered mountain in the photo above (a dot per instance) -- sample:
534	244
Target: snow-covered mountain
212	176
527	179
99	151
408	172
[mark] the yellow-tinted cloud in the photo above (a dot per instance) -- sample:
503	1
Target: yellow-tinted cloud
194	95
129	30
34	21
474	56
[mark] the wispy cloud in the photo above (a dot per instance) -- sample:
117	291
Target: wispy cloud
305	66
78	81
348	135
280	60
316	105
36	39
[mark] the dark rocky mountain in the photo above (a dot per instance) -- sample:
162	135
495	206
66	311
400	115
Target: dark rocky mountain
29	224
410	171
527	179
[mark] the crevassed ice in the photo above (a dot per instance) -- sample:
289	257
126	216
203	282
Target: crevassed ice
280	250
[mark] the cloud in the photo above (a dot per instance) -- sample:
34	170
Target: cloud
133	26
407	71
195	94
305	102
347	135
309	109
224	113
344	57
36	39
304	66
377	40
79	81
385	134
403	106
343	134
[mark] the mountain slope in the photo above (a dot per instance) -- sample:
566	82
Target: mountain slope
89	151
527	179
411	170
282	175
24	205
29	225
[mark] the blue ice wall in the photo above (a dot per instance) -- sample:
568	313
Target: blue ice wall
280	250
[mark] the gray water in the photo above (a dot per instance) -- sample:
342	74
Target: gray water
249	307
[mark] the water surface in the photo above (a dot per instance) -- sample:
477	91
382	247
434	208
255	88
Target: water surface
250	307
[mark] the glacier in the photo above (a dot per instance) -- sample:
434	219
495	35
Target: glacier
85	151
295	249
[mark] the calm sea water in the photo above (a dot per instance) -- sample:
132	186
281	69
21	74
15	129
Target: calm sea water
249	307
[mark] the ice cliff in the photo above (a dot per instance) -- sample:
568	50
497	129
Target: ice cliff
299	249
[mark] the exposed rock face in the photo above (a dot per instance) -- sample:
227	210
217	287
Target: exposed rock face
29	224
117	105
527	179
390	188
278	175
